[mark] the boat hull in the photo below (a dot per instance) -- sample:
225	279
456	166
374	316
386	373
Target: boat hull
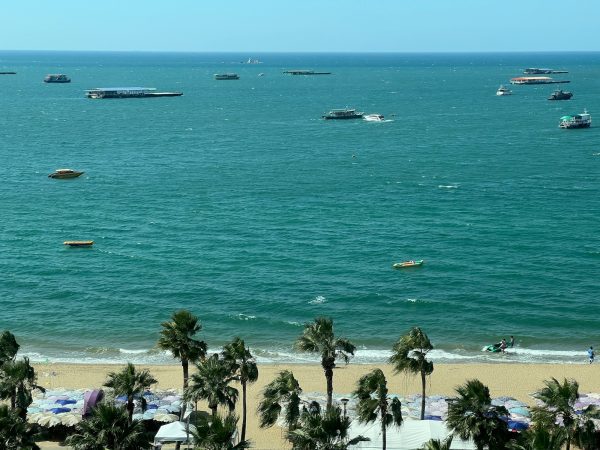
407	264
65	175
79	243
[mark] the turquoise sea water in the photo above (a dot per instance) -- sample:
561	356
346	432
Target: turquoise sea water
238	202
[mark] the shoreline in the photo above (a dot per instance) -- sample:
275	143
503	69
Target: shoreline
513	379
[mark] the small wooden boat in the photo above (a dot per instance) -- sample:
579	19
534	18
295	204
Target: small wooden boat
79	243
405	264
65	173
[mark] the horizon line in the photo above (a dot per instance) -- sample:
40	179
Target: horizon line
306	51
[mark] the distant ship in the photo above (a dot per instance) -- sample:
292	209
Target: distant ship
583	120
343	114
503	91
305	72
253	61
227	76
536	80
560	95
538	71
128	92
57	78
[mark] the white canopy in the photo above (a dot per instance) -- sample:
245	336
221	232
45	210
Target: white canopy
412	435
174	432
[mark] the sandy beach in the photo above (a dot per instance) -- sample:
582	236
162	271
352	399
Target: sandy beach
516	380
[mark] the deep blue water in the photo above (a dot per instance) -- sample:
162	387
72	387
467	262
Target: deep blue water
238	202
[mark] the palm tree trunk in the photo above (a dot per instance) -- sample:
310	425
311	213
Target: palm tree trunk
186	372
329	378
130	408
13	401
423	381
213	408
383	433
243	412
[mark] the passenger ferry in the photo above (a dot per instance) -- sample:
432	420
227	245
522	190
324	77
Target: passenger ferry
128	92
56	78
227	76
583	120
536	80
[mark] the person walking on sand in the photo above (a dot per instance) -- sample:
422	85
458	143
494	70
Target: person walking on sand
591	354
503	345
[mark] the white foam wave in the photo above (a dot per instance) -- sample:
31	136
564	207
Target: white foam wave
133	352
319	299
448	186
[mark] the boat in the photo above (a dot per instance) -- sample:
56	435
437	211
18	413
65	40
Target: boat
8	73
65	173
56	78
536	80
559	94
583	120
542	71
128	92
79	243
343	114
374	117
503	90
227	76
305	72
405	264
494	348
253	61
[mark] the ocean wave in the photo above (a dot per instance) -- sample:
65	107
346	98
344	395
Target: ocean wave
319	299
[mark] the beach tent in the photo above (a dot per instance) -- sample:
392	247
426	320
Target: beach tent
174	432
412	435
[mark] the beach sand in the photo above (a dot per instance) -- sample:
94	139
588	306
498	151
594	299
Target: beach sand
516	380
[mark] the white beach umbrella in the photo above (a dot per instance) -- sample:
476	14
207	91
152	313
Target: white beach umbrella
34	417
49	421
70	419
164	417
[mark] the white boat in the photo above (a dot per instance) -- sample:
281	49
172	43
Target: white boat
583	120
503	91
374	117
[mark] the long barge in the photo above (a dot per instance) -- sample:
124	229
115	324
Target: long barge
8	73
536	80
542	71
128	92
305	72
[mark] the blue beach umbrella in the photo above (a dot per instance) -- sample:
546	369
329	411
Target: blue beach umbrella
60	410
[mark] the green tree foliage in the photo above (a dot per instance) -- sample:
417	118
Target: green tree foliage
438	444
15	432
211	383
130	382
217	433
177	336
318	337
471	415
283	393
244	367
373	402
409	355
17	381
8	347
109	428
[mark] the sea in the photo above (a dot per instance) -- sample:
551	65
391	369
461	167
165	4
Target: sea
238	202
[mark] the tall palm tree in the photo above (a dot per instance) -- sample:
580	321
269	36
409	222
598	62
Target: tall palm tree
541	437
8	347
244	365
283	392
318	337
438	444
130	382
15	432
323	431
373	401
217	433
109	428
472	415
559	402
177	336
410	356
17	380
211	383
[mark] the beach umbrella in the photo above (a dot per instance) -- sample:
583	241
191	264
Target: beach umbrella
70	419
49	421
166	418
521	411
149	415
33	418
66	402
514	425
60	410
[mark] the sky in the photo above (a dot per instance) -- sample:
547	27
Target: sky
259	26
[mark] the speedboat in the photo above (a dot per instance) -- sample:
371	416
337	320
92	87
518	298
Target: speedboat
374	117
560	95
405	264
503	91
79	243
65	173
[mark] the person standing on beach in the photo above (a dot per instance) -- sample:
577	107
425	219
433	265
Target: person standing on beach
591	354
512	341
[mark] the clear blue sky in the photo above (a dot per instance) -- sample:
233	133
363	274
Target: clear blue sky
256	26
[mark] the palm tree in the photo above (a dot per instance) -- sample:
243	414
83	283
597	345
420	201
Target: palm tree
8	347
541	437
217	433
130	382
17	380
472	415
243	363
283	392
322	431
373	401
109	428
177	336
559	402
318	337
410	356
211	383
15	432
438	444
